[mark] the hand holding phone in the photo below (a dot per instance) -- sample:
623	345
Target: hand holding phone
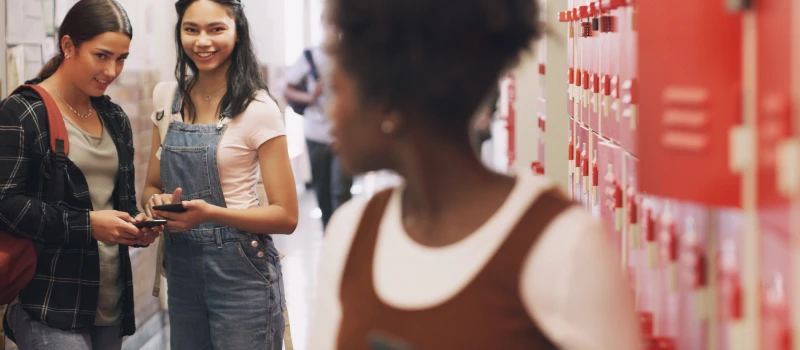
172	208
150	223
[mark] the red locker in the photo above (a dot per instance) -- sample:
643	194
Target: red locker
593	193
566	17
729	231
592	21
609	68
583	165
776	250
774	91
691	99
692	316
628	81
571	150
610	164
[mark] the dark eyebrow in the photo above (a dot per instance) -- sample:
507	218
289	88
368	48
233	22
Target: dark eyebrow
208	25
111	53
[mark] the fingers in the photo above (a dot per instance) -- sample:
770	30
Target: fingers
147	210
127	230
141	217
165	215
125	216
176	196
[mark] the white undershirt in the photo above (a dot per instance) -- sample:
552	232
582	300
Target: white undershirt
572	285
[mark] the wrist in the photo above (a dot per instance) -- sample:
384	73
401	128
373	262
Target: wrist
213	213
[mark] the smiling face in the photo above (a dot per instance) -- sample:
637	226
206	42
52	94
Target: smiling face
208	35
94	65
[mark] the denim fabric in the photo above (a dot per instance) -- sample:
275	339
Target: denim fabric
225	286
34	335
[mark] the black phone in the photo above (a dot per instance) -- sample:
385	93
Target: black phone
150	223
172	208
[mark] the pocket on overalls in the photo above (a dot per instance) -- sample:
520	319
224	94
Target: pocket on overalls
187	168
259	254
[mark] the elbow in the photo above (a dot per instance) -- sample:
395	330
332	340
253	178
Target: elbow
291	224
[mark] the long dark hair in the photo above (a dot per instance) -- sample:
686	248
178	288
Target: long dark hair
86	20
243	77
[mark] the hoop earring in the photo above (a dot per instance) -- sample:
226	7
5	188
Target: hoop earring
66	55
388	127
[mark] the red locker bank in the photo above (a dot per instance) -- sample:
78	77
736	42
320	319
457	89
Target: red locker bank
689	99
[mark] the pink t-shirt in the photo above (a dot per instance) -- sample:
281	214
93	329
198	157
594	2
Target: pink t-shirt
237	157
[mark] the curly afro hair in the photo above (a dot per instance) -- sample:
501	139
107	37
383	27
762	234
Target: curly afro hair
436	59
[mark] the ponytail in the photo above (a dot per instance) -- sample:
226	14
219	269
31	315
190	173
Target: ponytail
51	66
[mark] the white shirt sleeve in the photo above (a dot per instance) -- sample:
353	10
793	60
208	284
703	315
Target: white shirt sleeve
335	250
297	72
573	287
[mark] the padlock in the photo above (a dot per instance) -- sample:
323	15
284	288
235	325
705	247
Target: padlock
595	180
577	162
651	242
585	168
669	246
633	219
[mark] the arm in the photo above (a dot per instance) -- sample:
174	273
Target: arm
25	216
335	250
298	96
573	287
279	217
152	184
127	131
295	75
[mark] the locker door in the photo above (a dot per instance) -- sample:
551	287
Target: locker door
609	68
628	80
690	100
774	92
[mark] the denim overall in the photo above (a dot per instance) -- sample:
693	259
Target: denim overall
225	286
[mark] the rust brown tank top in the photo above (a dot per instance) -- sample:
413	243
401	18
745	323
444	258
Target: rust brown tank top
487	314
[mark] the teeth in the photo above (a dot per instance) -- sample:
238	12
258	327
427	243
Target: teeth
204	54
102	81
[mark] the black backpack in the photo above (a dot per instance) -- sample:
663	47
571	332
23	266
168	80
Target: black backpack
298	107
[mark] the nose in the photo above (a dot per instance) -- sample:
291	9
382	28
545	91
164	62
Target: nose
110	69
203	40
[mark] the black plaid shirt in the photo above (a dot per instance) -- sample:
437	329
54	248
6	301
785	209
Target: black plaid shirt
64	291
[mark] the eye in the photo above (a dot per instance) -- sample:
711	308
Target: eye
101	56
122	59
218	29
189	30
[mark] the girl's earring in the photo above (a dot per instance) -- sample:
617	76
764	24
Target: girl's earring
66	56
388	127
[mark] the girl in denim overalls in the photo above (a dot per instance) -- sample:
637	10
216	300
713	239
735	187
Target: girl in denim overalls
225	286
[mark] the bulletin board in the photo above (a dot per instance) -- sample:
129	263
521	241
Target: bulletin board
29	38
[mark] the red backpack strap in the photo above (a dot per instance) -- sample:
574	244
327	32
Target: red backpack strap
59	140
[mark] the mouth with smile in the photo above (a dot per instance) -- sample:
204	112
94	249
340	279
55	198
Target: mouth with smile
103	83
205	56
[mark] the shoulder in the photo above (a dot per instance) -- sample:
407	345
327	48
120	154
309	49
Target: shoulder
23	108
573	274
342	228
111	109
262	107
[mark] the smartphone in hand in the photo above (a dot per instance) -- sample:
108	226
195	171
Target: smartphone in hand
172	208
150	223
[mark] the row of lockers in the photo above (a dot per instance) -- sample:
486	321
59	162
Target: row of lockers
681	138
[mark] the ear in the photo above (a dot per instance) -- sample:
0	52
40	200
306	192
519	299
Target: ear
393	123
67	46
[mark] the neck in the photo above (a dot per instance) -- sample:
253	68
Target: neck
209	81
439	174
71	94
